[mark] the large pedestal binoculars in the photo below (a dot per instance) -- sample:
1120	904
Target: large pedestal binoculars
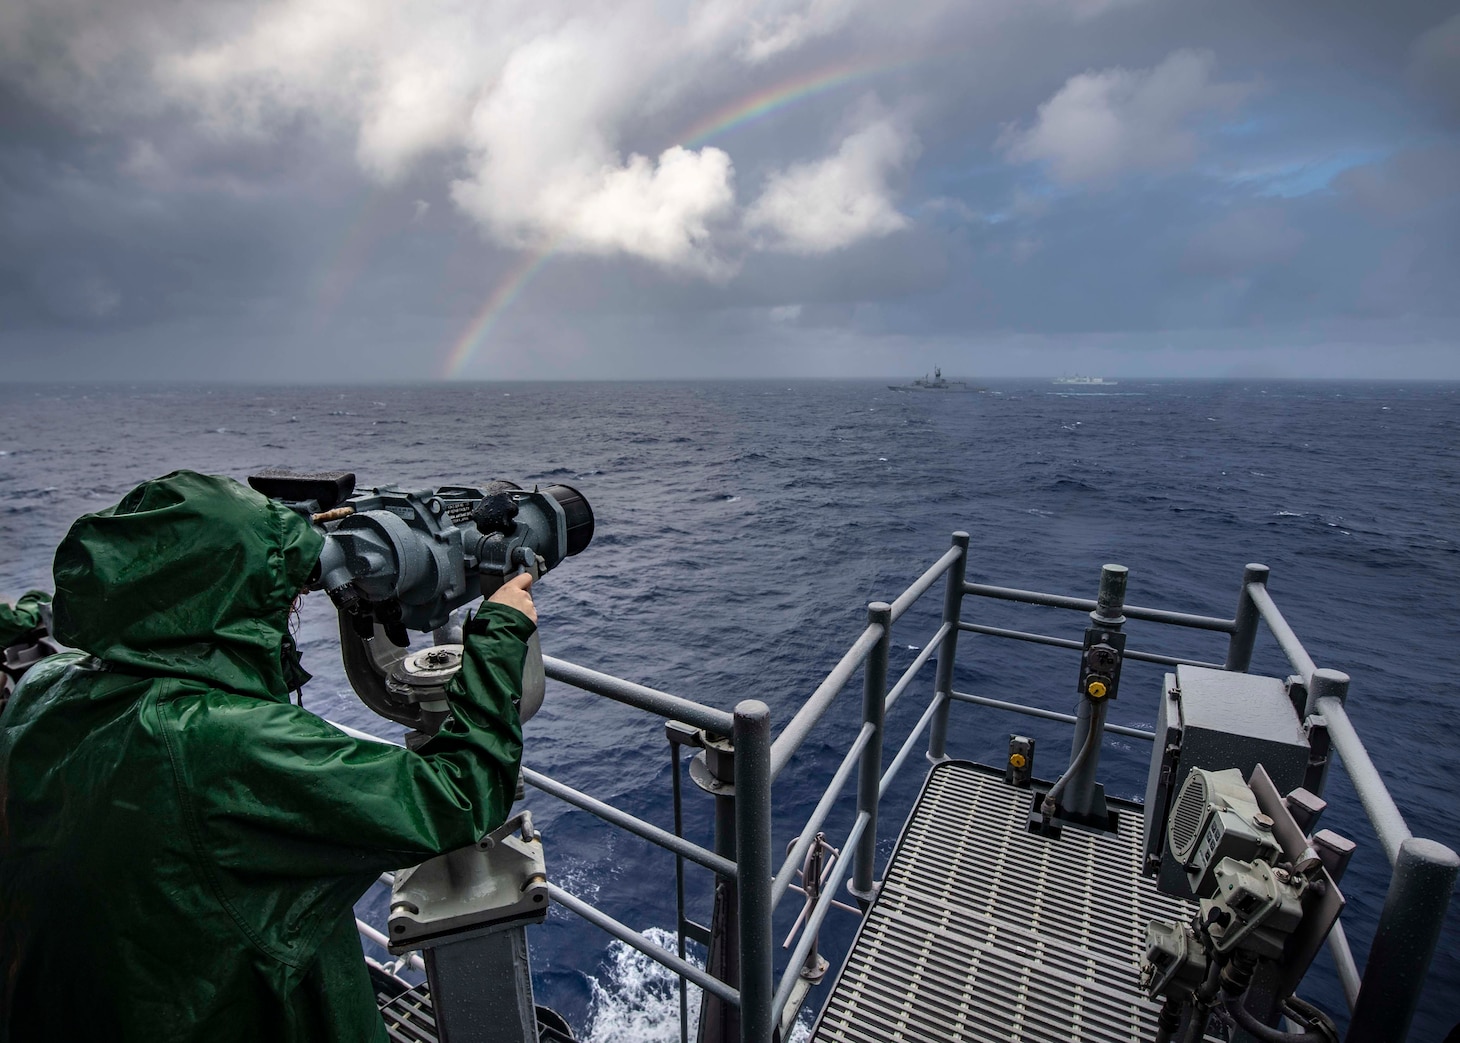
397	560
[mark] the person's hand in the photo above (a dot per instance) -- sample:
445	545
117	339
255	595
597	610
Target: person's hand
517	593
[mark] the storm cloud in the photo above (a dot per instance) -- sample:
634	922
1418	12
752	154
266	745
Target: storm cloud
308	189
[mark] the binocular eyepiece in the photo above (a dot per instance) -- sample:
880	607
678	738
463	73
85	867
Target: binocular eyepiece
407	558
396	560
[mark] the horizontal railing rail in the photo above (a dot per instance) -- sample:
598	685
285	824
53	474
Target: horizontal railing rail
672	707
1379	996
814	709
650	832
1278	626
1065	642
1153	615
1384	996
1048	715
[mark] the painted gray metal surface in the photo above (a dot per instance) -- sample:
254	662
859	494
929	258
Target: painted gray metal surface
753	851
645	698
1225	720
636	940
409	1018
869	772
635	825
962	945
981	845
817	916
1153	615
1368	783
820	701
819	815
1287	640
1064	642
943	679
1084	796
1409	927
1244	623
1048	715
489	981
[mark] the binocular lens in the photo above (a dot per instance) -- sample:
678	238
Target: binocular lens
579	516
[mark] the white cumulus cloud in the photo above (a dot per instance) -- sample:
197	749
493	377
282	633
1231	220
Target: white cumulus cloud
550	122
789	26
817	207
1101	124
527	104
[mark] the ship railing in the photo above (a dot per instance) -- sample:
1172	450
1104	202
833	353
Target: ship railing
1384	996
1424	871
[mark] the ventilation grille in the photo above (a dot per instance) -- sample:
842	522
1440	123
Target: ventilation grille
1187	815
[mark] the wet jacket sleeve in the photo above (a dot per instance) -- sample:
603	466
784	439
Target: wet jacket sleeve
18	620
272	791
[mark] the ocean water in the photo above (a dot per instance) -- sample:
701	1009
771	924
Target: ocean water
743	527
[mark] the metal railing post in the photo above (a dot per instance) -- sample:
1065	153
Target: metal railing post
1084	798
1409	928
869	777
1244	634
1325	684
753	847
943	679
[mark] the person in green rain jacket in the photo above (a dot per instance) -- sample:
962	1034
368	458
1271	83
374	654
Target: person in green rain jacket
20	620
180	846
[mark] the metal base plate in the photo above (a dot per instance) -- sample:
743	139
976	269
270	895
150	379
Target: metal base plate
983	931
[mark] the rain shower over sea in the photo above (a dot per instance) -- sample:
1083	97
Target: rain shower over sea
743	526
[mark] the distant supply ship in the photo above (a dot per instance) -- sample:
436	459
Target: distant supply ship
1077	379
935	383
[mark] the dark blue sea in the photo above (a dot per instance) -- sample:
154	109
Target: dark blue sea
743	527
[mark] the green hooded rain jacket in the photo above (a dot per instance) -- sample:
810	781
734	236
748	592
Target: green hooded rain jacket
19	620
180	846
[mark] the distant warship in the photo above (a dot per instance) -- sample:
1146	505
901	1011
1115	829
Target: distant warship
936	383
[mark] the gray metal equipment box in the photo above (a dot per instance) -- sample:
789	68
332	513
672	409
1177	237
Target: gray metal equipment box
1216	720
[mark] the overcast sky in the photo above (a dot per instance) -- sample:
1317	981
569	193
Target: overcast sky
405	189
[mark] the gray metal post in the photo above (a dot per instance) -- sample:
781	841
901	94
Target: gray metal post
1083	796
947	652
753	842
1110	602
1409	927
483	988
1244	634
869	772
716	771
1323	684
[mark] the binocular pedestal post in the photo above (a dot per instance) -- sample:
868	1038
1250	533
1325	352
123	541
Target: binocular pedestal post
468	912
481	987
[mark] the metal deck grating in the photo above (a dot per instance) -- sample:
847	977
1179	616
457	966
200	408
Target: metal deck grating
985	932
408	1017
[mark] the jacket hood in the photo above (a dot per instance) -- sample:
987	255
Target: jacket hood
191	575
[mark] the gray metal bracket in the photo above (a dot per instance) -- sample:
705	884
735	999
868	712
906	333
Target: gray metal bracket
502	879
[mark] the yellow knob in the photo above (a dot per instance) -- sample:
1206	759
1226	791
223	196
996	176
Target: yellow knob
1096	689
1017	760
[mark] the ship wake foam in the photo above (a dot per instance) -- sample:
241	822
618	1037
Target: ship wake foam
635	1000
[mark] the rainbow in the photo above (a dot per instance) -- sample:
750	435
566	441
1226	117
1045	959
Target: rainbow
757	106
498	301
773	99
362	233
